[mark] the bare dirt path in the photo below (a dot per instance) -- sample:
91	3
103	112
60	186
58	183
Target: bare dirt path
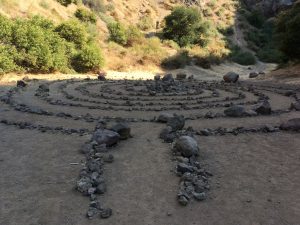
255	173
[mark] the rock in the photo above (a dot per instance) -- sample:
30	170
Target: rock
21	83
157	77
122	129
101	75
263	108
231	77
199	196
187	146
86	148
106	213
168	78
183	200
83	185
235	111
181	76
176	122
108	158
253	75
101	188
167	135
164	117
44	87
92	212
108	137
292	125
296	106
184	168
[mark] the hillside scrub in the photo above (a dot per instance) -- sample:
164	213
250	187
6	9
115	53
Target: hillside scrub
85	15
288	31
37	45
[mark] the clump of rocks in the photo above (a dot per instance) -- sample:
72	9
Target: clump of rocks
193	178
91	180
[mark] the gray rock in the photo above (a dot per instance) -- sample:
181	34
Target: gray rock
164	117
108	158
167	135
184	168
83	185
168	78
92	212
183	200
157	77
181	76
106	213
101	188
44	87
123	130
21	83
292	125
199	196
176	122
253	75
235	111
296	105
108	137
231	77
187	146
263	108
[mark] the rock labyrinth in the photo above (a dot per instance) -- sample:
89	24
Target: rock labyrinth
105	110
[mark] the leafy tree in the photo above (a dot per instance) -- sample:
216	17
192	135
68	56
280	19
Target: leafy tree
185	26
288	30
117	33
73	31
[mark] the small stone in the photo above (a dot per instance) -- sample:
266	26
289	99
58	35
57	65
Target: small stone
123	130
199	196
184	168
21	83
108	137
92	212
291	125
108	158
231	77
106	213
263	108
181	76
164	117
168	78
183	200
176	122
101	188
253	75
187	146
235	111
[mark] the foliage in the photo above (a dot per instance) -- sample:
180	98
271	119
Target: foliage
85	15
117	33
185	26
145	23
73	31
256	18
89	58
288	30
8	55
180	60
66	2
242	57
134	35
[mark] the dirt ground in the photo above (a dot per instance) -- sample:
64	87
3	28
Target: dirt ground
255	175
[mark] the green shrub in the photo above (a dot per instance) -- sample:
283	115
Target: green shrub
185	26
117	33
288	30
89	58
271	55
256	18
134	35
6	27
85	15
145	23
73	31
180	60
243	57
8	56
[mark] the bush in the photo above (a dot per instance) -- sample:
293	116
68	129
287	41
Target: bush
180	60
134	36
6	27
271	55
184	26
243	58
288	30
85	15
8	56
117	33
145	23
89	58
256	18
73	31
66	2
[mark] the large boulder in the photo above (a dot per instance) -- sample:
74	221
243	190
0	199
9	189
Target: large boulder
168	78
176	122
108	137
21	83
231	77
122	129
235	111
263	108
253	75
292	125
187	146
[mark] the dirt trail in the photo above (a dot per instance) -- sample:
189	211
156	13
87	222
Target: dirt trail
255	171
